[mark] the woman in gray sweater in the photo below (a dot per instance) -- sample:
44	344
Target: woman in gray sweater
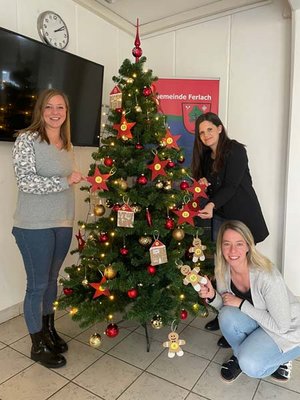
258	315
44	167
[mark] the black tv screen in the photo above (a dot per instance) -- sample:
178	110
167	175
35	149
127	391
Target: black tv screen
27	67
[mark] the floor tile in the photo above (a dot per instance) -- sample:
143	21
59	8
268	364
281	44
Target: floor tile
108	377
199	342
200	322
35	383
183	371
222	355
133	349
13	329
2	345
79	357
160	334
294	382
193	396
149	387
268	391
107	342
211	385
74	392
11	363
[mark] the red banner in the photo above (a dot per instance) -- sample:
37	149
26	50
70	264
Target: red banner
182	101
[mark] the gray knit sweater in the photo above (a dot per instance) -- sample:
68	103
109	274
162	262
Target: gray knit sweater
45	199
275	308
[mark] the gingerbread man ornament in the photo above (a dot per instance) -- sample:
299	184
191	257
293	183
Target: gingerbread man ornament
197	249
192	276
173	344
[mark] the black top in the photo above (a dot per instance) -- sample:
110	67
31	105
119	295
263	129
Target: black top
241	295
232	192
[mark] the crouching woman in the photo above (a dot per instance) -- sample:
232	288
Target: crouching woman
258	314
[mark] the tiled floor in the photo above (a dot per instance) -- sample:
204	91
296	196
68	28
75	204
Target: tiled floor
121	368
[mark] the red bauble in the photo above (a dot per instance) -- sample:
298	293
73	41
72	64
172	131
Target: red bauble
112	330
184	185
181	159
147	91
103	237
139	146
116	207
151	269
171	164
142	180
124	251
137	52
132	293
183	314
68	291
108	161
119	110
169	224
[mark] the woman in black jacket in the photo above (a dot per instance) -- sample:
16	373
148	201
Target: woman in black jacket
222	164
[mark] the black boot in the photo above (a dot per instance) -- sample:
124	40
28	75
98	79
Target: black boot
52	339
213	325
40	352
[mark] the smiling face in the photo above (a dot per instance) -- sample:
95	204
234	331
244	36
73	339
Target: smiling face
55	112
234	249
209	134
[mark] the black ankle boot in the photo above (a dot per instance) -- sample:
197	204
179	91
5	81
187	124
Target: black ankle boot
40	352
52	339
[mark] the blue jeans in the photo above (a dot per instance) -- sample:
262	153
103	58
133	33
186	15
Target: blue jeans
257	353
43	252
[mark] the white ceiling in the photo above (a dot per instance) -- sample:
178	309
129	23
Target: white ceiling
157	15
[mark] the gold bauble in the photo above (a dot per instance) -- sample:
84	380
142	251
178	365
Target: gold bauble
145	240
123	184
203	313
109	272
95	340
159	184
156	322
85	282
178	234
99	210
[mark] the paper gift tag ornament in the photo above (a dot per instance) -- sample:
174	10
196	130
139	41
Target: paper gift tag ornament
158	253
115	98
125	216
192	276
173	344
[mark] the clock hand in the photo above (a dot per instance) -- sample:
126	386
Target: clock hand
59	29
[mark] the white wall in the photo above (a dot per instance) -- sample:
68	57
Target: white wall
248	51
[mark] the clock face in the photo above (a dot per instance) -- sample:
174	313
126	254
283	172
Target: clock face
53	30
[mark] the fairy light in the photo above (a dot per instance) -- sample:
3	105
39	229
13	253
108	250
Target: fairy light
102	255
182	296
112	234
196	307
82	226
110	317
74	311
111	297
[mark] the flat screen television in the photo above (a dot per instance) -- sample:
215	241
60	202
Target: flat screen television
27	67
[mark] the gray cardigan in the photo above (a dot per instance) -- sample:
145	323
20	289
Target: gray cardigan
45	199
275	308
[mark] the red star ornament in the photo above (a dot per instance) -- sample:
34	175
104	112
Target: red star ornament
157	168
170	140
98	180
100	290
123	128
81	241
198	190
186	214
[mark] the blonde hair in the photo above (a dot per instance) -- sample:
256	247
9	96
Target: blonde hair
38	122
254	257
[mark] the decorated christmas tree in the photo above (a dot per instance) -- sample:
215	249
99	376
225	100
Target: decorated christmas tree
140	252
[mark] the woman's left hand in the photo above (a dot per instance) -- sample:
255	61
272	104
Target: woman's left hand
207	211
231	300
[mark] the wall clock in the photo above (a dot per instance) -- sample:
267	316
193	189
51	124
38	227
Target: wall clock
53	30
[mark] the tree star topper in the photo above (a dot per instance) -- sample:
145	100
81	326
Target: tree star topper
157	167
100	290
98	180
198	190
124	128
170	141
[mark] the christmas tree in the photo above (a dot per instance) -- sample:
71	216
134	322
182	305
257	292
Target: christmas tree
140	253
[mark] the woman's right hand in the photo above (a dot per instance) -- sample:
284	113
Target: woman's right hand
74	178
207	291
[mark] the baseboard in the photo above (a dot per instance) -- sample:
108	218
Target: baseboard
11	312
